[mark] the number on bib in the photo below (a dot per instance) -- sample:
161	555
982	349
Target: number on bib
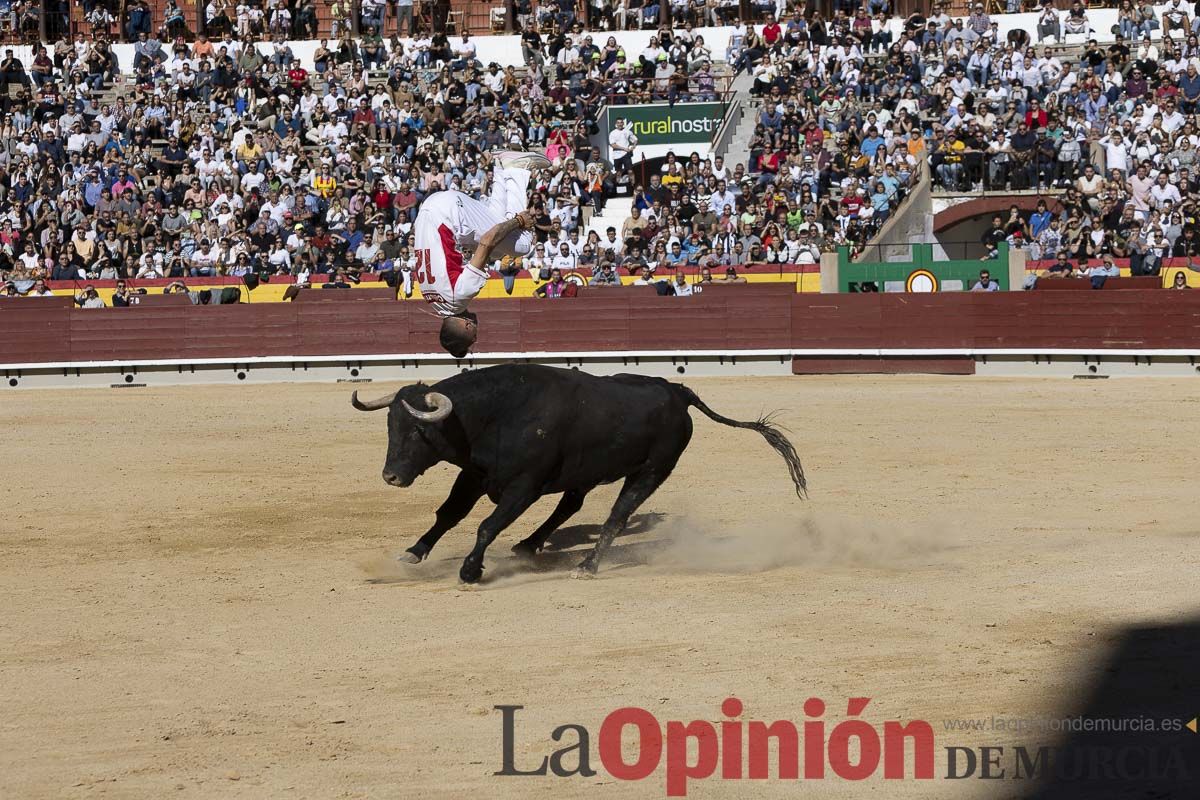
424	266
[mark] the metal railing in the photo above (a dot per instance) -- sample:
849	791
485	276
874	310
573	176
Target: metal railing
654	91
959	250
981	173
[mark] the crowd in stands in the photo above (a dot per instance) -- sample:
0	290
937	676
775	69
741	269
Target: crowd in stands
222	155
1110	128
219	154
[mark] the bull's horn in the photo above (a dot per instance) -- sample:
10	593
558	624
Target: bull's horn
372	405
441	405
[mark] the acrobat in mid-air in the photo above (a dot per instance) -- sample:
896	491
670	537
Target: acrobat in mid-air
451	224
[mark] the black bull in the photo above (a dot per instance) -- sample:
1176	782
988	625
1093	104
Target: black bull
518	432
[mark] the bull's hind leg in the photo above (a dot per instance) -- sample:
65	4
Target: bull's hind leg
513	503
567	507
637	488
464	495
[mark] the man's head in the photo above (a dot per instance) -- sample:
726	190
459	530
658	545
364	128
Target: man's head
458	334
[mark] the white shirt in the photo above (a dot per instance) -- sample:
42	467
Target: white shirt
1117	157
1161	194
622	139
566	263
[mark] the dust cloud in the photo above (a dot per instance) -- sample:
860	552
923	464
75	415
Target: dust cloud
815	539
686	544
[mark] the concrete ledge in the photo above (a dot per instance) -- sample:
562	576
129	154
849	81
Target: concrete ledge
995	362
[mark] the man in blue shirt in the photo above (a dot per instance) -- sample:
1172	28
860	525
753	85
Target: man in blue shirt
675	257
1096	106
1039	220
1189	86
871	143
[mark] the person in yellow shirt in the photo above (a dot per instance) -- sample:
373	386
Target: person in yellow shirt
249	155
324	184
950	170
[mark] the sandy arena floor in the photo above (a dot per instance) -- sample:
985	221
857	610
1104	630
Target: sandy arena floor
196	601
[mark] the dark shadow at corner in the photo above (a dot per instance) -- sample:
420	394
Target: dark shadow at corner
1152	675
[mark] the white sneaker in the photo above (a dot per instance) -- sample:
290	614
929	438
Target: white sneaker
516	158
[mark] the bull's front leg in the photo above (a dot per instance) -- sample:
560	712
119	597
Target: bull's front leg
465	493
513	503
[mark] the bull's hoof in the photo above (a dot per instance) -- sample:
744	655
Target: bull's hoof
408	557
524	550
470	573
583	572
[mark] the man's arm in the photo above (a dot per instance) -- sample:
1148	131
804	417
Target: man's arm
496	235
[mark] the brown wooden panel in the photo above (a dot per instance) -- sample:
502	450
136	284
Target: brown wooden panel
319	295
157	300
29	335
361	329
836	320
1083	284
892	365
54	301
592	321
266	329
915	320
115	334
616	320
758	321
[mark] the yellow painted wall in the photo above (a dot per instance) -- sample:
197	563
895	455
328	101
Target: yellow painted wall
273	292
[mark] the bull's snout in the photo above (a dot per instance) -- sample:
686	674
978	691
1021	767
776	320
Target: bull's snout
392	479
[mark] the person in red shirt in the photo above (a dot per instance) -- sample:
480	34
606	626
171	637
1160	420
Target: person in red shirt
381	197
321	240
297	76
404	201
771	31
852	203
1036	117
1167	90
812	134
364	118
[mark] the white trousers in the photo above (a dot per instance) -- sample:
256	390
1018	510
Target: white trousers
451	224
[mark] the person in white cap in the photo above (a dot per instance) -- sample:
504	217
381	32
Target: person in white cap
450	222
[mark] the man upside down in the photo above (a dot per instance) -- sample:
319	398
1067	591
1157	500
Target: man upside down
450	224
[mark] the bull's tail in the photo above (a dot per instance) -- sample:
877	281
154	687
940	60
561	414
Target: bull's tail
769	430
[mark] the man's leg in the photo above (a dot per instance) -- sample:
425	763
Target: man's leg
508	197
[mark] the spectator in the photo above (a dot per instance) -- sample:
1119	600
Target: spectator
606	275
89	298
681	286
622	143
985	283
1102	272
553	288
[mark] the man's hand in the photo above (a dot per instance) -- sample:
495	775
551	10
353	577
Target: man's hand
526	220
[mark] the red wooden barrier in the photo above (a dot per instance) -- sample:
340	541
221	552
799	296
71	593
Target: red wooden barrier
1110	284
751	317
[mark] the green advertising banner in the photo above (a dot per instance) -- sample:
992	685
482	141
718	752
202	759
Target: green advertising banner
922	273
660	123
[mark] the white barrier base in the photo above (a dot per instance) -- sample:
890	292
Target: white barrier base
376	368
704	363
1052	365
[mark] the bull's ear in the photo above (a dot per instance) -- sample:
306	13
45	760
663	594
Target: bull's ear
372	405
